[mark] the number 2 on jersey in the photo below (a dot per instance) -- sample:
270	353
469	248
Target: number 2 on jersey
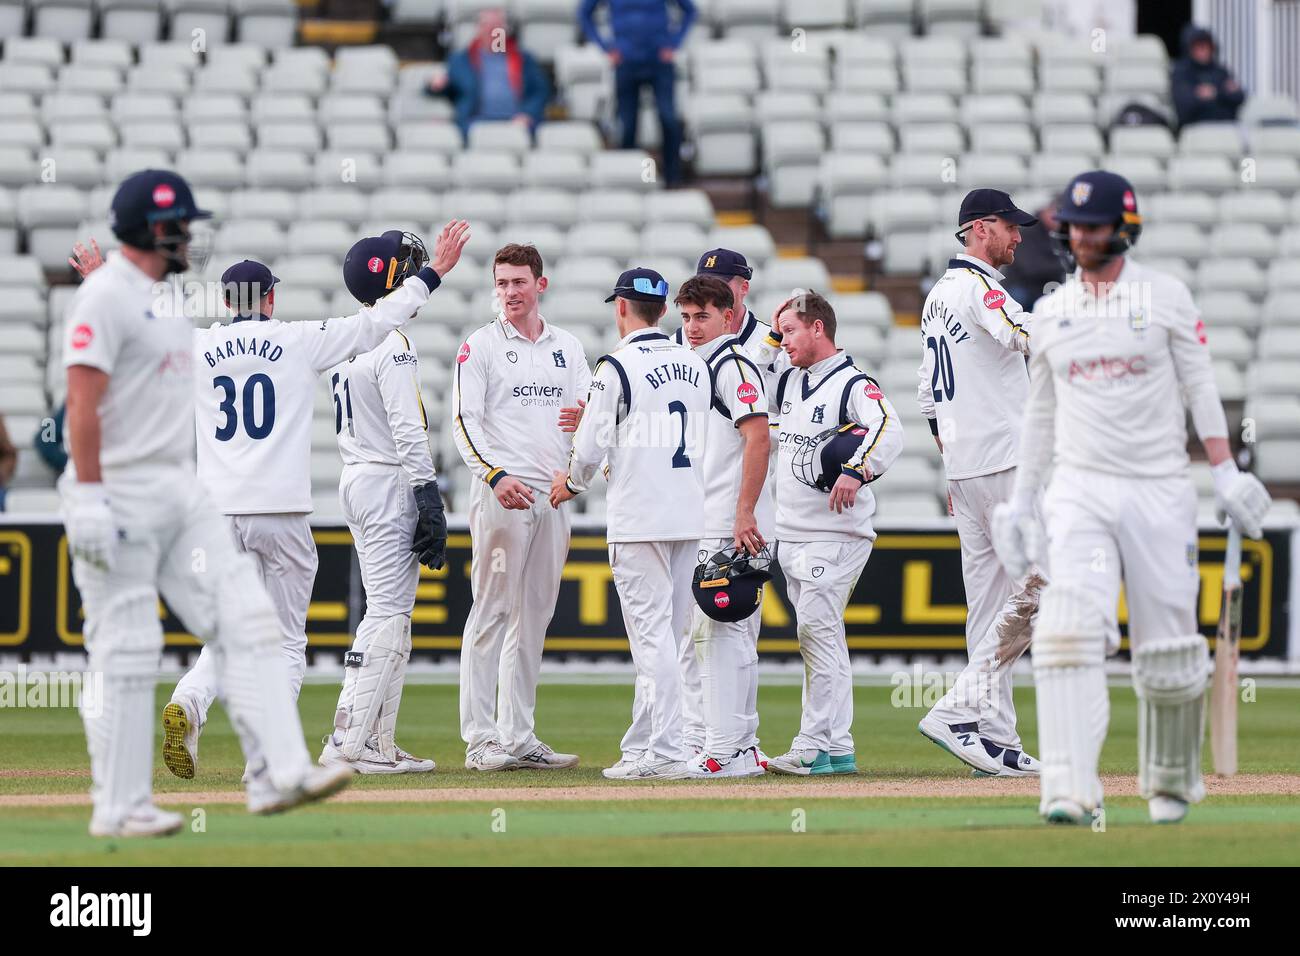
680	460
942	382
256	426
340	405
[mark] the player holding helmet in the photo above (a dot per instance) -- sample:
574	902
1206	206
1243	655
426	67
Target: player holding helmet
1119	359
823	522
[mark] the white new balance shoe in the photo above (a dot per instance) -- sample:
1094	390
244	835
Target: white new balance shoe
1014	763
742	763
962	741
542	757
490	756
801	762
650	767
319	783
1166	809
371	760
181	729
620	769
413	764
144	821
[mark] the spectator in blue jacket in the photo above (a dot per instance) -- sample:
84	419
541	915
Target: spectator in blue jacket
493	79
1203	89
642	48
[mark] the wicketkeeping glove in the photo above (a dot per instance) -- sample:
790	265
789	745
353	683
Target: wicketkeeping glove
1240	496
430	540
92	534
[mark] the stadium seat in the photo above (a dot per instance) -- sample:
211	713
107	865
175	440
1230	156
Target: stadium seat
1275	460
1227	275
132	20
1211	139
623	206
1223	309
268	23
1262	110
1200	209
1065	108
65	20
1073	139
1212	174
568	137
279	169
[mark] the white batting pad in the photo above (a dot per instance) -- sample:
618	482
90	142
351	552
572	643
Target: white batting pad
1073	703
368	681
1170	676
123	646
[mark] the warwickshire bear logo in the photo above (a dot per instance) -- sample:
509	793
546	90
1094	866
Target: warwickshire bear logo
558	355
819	414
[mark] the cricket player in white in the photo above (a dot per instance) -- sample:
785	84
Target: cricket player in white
518	381
824	540
735	467
1119	358
973	387
138	525
646	414
389	493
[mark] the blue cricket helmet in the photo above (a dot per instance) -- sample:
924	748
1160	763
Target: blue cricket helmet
1098	197
377	265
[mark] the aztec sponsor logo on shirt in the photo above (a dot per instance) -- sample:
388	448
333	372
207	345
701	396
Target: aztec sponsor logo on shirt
1107	370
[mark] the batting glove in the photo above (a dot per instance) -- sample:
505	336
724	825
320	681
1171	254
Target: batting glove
1241	496
92	535
1017	538
430	540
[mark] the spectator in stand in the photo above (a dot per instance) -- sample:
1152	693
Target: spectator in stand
642	49
1038	263
8	461
1203	89
493	78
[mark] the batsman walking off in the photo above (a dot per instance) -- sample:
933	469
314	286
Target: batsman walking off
1119	359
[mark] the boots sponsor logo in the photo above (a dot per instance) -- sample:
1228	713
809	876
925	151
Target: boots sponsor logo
76	909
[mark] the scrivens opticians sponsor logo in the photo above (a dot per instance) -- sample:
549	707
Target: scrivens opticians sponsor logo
535	394
1107	369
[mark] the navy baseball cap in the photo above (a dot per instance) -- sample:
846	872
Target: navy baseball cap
724	263
982	203
147	197
643	285
245	284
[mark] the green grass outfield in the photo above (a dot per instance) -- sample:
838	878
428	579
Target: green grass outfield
794	821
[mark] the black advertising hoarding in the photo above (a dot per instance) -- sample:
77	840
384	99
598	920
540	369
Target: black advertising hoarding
910	598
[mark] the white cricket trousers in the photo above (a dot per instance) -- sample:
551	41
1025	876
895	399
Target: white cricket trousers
998	615
653	579
518	557
379	507
819	578
285	555
173	542
1100	526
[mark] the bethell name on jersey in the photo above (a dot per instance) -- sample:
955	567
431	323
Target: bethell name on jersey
672	372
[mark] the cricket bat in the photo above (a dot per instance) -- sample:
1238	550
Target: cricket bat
1227	646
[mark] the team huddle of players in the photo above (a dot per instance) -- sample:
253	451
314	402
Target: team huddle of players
720	445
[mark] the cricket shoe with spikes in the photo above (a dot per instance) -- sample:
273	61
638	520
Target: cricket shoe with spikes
650	767
960	740
146	820
620	770
1014	763
1166	809
317	784
742	763
801	762
1064	810
370	761
542	757
413	764
490	756
181	729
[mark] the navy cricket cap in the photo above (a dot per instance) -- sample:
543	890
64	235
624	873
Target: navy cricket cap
982	203
724	263
643	285
245	284
147	197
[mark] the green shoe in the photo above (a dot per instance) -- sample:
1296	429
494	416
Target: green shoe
842	763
